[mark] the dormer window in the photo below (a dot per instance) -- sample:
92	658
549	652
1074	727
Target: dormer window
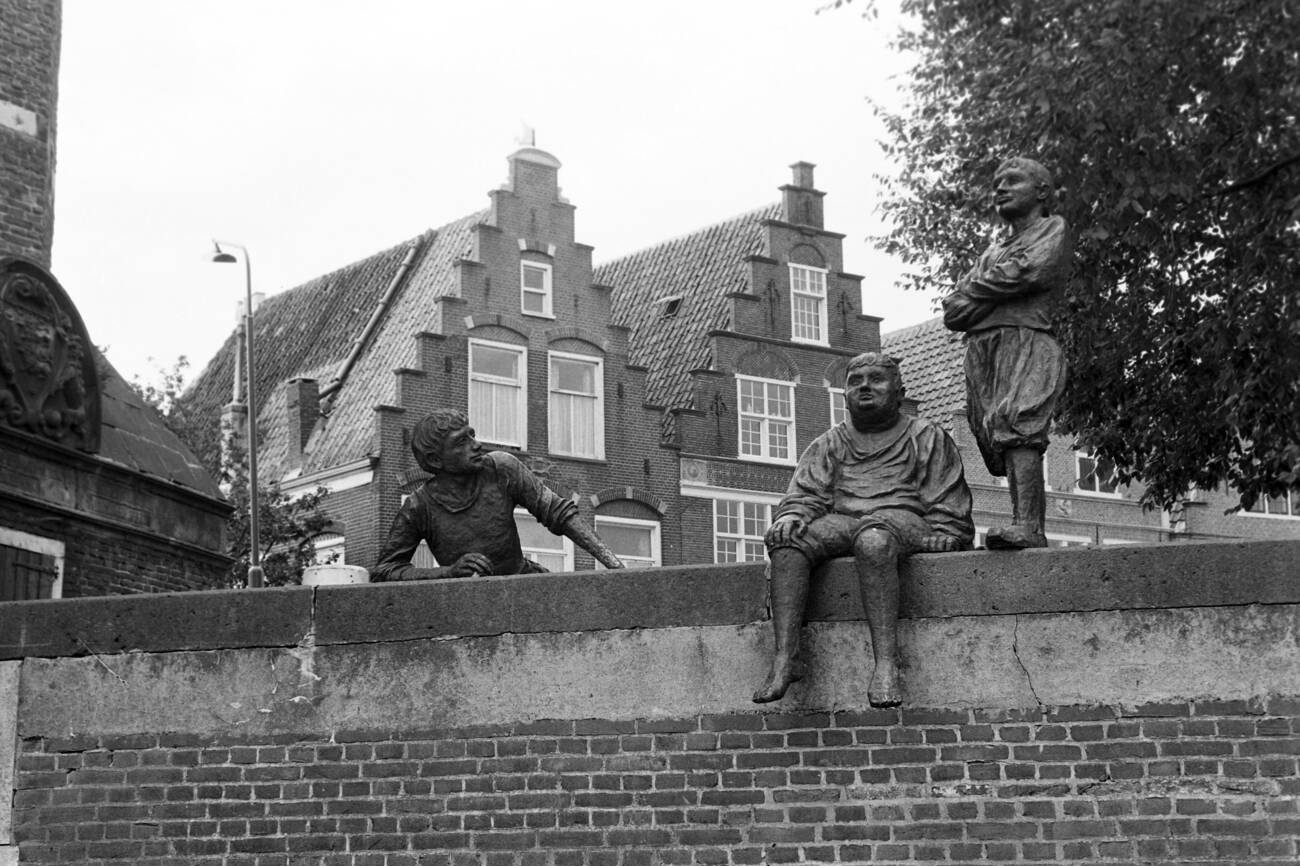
535	289
670	305
808	305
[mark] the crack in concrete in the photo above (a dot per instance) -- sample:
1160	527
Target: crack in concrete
1015	651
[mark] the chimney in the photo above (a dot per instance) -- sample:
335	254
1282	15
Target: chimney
801	202
302	408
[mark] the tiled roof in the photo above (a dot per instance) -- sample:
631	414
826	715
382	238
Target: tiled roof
931	360
702	268
133	435
309	330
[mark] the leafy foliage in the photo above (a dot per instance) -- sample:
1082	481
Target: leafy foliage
1174	132
286	526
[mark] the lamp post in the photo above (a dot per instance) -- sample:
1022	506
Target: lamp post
254	555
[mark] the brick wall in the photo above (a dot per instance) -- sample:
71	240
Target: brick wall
1108	705
29	72
1188	781
122	531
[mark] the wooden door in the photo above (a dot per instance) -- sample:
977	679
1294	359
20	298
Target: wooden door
25	574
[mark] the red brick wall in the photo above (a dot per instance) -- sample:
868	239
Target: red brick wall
1200	781
102	561
29	72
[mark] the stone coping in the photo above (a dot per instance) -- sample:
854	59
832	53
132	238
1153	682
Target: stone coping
979	583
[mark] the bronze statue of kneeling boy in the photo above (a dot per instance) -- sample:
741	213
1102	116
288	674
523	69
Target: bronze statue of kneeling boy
879	486
466	510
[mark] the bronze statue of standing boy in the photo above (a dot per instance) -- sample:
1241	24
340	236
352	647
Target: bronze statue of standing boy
1015	370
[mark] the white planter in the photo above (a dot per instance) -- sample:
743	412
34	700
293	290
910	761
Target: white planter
334	575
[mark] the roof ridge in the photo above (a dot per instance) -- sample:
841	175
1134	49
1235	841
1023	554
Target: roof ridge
912	330
703	230
421	238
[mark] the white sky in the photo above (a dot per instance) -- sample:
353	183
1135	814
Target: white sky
316	133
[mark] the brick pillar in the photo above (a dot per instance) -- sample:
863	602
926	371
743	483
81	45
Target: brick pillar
29	79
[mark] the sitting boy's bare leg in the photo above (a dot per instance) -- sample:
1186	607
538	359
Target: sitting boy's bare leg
790	571
876	554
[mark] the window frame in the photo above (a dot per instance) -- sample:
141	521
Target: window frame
600	403
655	527
521	401
335	545
566	543
843	408
547	292
1079	455
1263	503
823	317
39	544
740	537
764	433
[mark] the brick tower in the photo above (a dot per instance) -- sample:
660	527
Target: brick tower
29	84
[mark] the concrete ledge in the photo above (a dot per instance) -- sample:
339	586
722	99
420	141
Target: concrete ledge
1053	580
693	595
1163	576
155	622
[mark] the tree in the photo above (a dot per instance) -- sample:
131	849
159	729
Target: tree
287	526
1174	131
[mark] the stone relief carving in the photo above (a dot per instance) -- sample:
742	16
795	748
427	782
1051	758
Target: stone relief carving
48	382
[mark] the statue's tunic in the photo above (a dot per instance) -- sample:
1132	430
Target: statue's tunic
906	480
1015	369
481	520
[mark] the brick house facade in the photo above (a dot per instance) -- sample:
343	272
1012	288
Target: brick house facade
624	387
668	392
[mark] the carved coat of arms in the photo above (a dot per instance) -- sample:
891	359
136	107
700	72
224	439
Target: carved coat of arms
48	384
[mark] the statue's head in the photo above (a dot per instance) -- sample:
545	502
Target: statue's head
1019	186
873	390
443	442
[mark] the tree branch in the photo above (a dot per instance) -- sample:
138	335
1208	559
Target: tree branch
1259	178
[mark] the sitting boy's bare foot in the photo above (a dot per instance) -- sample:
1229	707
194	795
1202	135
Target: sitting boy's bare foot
783	673
886	689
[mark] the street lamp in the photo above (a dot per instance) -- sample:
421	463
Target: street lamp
254	556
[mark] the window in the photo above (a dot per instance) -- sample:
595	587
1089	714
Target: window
838	412
329	547
497	408
31	566
1094	475
577	414
1277	506
808	305
535	289
766	419
551	552
636	542
738	528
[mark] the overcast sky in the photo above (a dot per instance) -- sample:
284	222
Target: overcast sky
316	133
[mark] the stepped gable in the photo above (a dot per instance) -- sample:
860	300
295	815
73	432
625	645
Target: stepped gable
703	268
348	432
133	434
931	361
